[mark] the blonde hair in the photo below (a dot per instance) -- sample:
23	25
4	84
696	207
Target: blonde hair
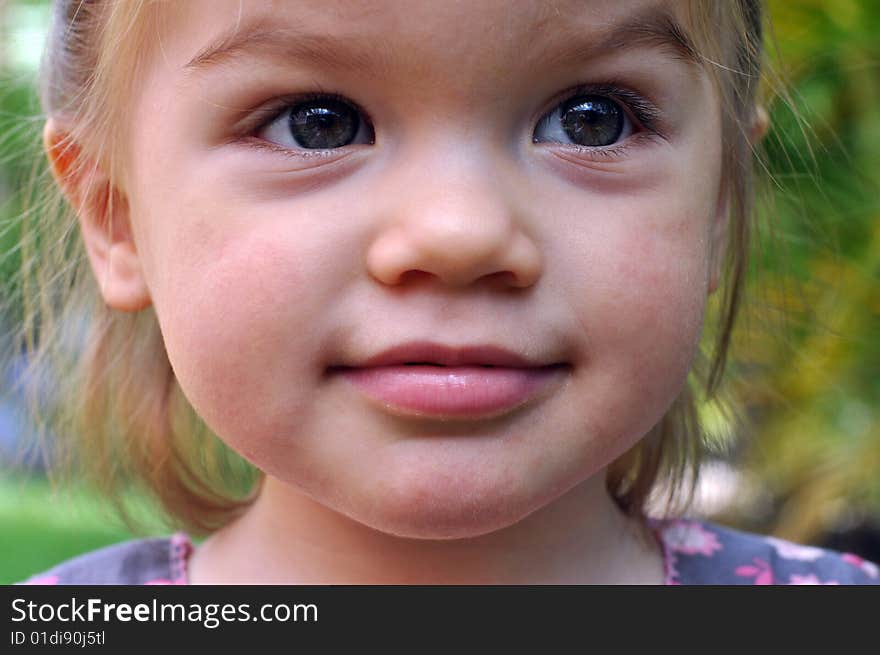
118	404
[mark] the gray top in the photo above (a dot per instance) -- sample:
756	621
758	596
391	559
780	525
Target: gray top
153	561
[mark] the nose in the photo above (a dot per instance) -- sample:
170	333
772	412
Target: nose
455	225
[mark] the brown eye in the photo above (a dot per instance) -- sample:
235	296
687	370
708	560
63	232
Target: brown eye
318	124
585	120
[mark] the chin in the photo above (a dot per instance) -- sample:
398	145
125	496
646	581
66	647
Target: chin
446	525
448	509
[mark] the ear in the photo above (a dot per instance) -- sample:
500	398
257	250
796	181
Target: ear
103	214
760	125
758	128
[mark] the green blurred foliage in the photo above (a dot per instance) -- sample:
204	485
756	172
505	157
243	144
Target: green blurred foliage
807	349
19	149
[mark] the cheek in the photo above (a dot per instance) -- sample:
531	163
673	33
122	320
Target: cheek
640	304
661	302
237	310
662	273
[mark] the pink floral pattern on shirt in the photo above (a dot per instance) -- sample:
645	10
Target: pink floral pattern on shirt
690	538
698	552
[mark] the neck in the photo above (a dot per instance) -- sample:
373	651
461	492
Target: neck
287	538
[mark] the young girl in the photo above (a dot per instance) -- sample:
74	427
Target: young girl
437	270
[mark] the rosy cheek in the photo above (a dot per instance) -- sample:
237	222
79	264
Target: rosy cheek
641	303
665	307
234	316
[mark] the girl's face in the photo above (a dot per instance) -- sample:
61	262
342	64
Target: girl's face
313	183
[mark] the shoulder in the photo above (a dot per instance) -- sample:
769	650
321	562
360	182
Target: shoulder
700	552
156	560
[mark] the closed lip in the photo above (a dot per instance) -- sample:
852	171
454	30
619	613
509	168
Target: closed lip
426	379
427	352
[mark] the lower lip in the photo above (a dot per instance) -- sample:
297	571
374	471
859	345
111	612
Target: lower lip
452	391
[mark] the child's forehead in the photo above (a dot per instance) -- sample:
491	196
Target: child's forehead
403	28
390	16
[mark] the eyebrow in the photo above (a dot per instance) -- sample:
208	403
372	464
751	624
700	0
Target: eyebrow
655	28
285	44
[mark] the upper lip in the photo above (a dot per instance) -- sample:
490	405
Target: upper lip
436	353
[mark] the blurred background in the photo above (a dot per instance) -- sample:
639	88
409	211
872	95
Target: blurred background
801	462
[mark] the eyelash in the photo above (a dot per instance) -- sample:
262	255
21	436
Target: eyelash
645	115
268	114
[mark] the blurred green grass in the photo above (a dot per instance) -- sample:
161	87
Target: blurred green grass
42	527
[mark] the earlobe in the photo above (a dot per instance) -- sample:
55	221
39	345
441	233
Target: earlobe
760	125
103	214
758	128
